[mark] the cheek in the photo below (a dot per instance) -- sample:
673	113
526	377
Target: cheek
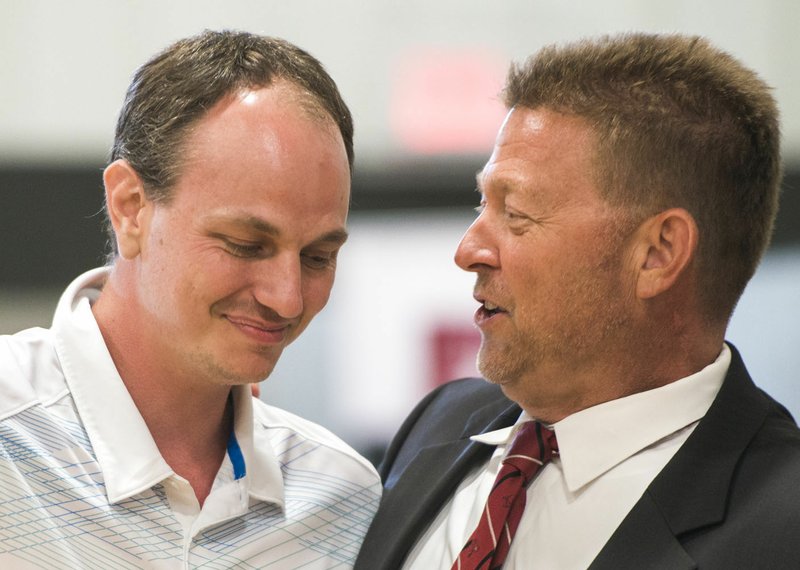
547	287
316	291
192	287
525	273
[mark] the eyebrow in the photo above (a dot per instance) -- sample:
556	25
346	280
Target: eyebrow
479	181
253	223
502	184
336	237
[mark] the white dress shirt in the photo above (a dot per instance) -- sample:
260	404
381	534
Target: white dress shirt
608	455
83	485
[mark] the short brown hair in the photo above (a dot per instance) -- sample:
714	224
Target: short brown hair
679	123
174	89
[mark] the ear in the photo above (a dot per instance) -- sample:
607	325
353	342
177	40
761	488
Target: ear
126	203
666	246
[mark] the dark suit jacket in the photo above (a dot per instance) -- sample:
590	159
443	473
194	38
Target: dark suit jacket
729	498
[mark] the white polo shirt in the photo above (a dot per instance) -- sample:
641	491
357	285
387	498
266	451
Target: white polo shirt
83	485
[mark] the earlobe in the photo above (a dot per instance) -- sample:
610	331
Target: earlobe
126	202
668	243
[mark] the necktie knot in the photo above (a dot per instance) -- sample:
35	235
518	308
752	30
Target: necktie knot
488	545
532	447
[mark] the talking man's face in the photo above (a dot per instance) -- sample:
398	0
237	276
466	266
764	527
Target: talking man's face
243	256
548	259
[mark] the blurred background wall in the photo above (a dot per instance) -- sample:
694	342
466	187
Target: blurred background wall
422	80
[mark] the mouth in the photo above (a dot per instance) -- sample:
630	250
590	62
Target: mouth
261	332
487	312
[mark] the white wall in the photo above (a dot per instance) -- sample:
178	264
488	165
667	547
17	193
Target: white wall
66	64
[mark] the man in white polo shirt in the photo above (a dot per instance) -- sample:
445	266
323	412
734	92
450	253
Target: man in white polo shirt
128	434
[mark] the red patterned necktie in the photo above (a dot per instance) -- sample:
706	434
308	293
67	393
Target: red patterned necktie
487	547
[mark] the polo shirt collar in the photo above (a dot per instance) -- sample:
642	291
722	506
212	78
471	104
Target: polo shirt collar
595	440
264	475
126	452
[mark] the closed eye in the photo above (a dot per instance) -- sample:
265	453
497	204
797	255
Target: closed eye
243	249
320	260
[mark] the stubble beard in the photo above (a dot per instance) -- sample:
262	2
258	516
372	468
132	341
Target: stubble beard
505	363
218	372
539	359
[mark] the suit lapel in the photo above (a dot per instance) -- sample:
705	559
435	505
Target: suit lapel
430	479
643	540
691	491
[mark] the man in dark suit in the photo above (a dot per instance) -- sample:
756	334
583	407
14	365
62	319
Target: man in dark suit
629	198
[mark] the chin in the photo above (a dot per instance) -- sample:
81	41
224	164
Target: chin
495	368
256	377
245	375
505	382
255	366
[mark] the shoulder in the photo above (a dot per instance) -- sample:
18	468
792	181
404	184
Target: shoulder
304	444
451	405
29	370
765	487
452	411
773	456
762	516
747	425
469	389
775	442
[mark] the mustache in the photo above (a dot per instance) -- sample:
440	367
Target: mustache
483	284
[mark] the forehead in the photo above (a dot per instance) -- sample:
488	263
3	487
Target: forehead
540	146
260	150
259	111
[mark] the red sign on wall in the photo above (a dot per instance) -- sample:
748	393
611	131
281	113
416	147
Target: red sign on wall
453	351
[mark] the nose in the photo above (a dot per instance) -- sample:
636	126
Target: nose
476	251
279	285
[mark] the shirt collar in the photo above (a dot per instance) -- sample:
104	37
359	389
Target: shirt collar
264	475
595	440
126	452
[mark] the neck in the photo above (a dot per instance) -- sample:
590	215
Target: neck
642	366
190	421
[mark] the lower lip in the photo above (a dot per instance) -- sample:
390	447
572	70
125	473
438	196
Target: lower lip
262	336
484	317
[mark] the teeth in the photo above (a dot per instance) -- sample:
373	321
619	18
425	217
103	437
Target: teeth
489	306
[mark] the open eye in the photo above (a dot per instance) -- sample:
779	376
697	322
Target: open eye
514	216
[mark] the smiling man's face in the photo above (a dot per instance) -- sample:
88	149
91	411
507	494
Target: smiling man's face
243	256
